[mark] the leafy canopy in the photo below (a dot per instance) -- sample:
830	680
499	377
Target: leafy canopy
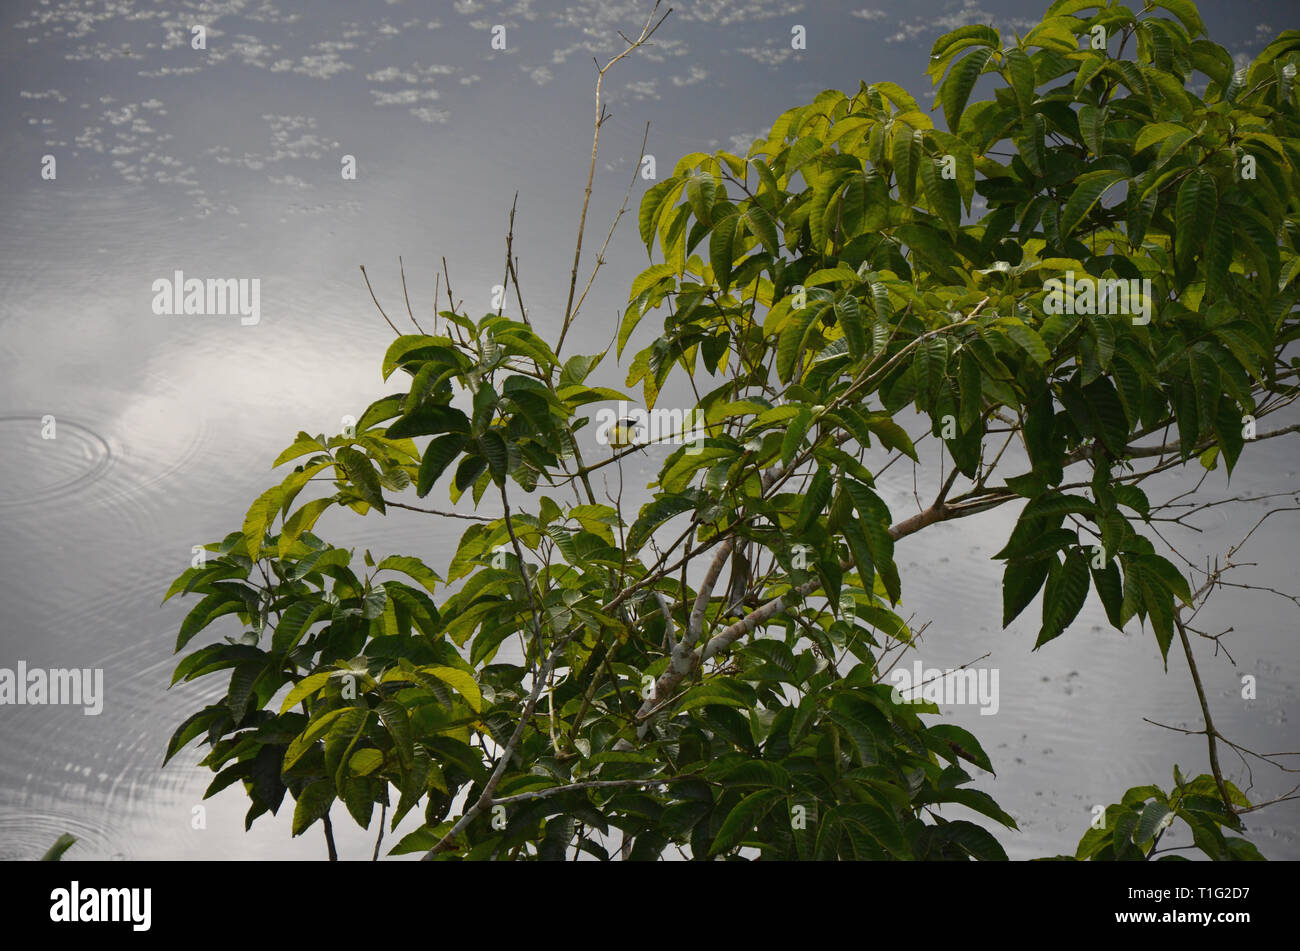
858	266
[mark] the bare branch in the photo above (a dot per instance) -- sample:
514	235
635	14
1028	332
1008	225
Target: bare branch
444	514
505	281
589	784
376	300
696	627
402	267
646	32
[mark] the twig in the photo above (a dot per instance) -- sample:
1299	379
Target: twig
329	839
510	238
587	784
485	798
1210	732
416	508
410	313
376	300
646	32
383	814
600	257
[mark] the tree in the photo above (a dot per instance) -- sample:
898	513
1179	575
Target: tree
1087	279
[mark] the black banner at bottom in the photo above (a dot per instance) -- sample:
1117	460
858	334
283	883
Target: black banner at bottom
281	899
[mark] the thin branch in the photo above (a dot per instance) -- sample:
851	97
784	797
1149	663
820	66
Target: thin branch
1205	711
416	508
588	784
600	257
329	839
685	661
407	296
376	300
484	800
510	238
540	679
696	625
646	32
383	814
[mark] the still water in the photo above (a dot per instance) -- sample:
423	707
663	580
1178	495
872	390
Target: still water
225	163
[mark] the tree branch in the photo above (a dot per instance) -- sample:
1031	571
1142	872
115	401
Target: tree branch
646	32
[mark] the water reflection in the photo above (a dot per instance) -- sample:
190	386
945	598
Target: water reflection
228	165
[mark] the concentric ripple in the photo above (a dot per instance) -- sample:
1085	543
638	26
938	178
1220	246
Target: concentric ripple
35	469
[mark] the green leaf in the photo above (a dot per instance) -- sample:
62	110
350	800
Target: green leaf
1197	201
930	368
1092	126
763	226
1028	340
1054	33
892	436
952	742
470	468
300	521
405	348
412	567
722	241
362	475
205	612
305	688
1155	132
382	409
258	520
950	43
941	192
1106	580
814	500
652	205
907	158
318	561
875	520
295	622
313	803
1021	581
863	723
743	818
1067	589
364	762
194	725
301	446
242	679
1218	256
975	841
1021	70
849	315
978	801
1031	141
429	421
793	335
399	728
1185	10
956	89
1169	576
437	456
896	94
878	824
1088	190
493	447
1156	816
655	513
711	693
459	680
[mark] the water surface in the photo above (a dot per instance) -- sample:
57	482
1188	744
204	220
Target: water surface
226	163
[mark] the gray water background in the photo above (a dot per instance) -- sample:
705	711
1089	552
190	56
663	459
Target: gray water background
225	163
